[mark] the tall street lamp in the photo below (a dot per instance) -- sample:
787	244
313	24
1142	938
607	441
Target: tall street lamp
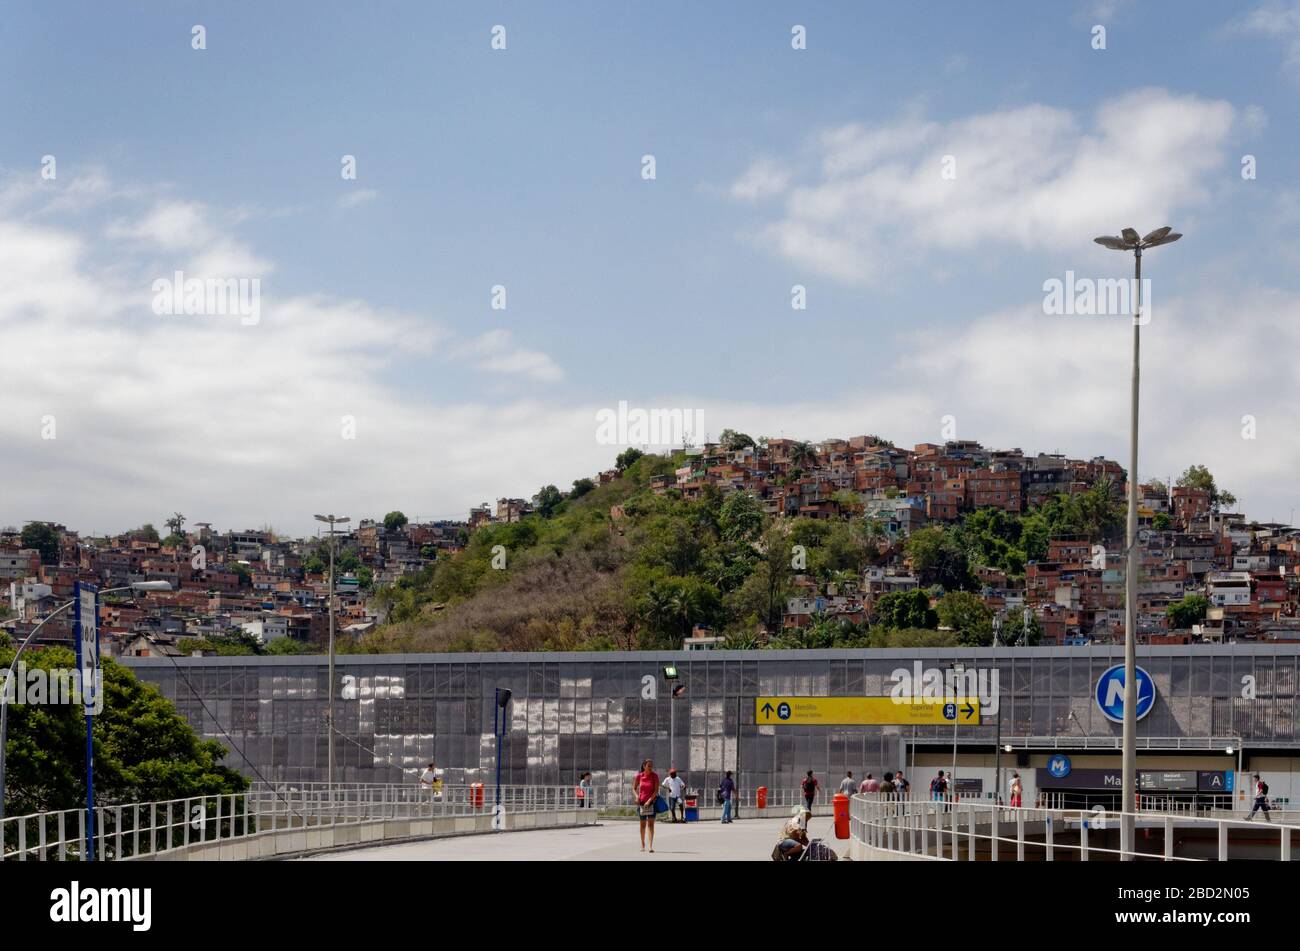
331	520
997	743
4	688
1129	241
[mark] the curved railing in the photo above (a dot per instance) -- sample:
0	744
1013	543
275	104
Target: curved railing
136	830
976	831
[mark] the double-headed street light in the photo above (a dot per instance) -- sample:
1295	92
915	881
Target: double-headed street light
331	520
4	688
1129	241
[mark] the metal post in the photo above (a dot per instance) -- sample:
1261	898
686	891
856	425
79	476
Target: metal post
90	789
329	714
735	795
953	778
1129	783
672	730
498	712
997	755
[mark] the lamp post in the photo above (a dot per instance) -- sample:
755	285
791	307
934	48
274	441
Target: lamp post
957	668
331	520
1129	241
4	688
502	700
1236	780
670	678
997	637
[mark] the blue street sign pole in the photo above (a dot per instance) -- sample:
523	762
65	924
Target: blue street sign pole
86	667
498	712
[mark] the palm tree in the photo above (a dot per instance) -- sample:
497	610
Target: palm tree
175	523
802	455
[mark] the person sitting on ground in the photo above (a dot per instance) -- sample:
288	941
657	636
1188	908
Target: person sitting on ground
794	835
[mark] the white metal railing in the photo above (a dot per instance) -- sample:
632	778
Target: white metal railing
135	829
1070	741
971	830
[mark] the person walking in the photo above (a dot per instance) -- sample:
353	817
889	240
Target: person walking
645	789
870	784
939	787
726	791
432	779
1017	790
1261	799
676	795
584	790
848	785
901	785
810	787
887	787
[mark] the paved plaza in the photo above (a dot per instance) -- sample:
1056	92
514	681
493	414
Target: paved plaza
613	840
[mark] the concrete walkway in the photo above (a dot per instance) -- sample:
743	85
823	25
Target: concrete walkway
614	840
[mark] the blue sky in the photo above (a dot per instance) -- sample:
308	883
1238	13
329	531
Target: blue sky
521	167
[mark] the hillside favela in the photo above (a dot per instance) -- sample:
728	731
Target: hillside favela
741	543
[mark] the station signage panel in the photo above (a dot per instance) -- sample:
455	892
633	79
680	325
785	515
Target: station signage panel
865	711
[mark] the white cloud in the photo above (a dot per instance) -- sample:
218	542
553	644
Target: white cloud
237	424
358	197
496	352
1278	21
763	179
1025	177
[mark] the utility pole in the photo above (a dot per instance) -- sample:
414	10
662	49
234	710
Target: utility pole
331	520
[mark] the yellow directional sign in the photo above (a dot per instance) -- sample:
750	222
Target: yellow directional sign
855	711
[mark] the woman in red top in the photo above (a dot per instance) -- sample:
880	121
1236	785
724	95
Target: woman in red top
645	787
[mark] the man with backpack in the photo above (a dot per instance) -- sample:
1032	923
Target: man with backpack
939	787
810	787
1261	799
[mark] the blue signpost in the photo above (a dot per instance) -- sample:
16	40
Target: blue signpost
85	635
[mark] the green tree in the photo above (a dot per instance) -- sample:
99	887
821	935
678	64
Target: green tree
286	645
1190	610
1199	477
581	487
900	609
626	458
741	517
1014	633
394	520
146	532
144	750
731	440
938	558
547	501
1161	522
42	537
803	455
176	523
968	616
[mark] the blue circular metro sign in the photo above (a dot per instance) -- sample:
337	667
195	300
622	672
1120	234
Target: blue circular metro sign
1110	693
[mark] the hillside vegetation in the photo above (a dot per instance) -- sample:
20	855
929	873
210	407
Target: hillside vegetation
618	567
